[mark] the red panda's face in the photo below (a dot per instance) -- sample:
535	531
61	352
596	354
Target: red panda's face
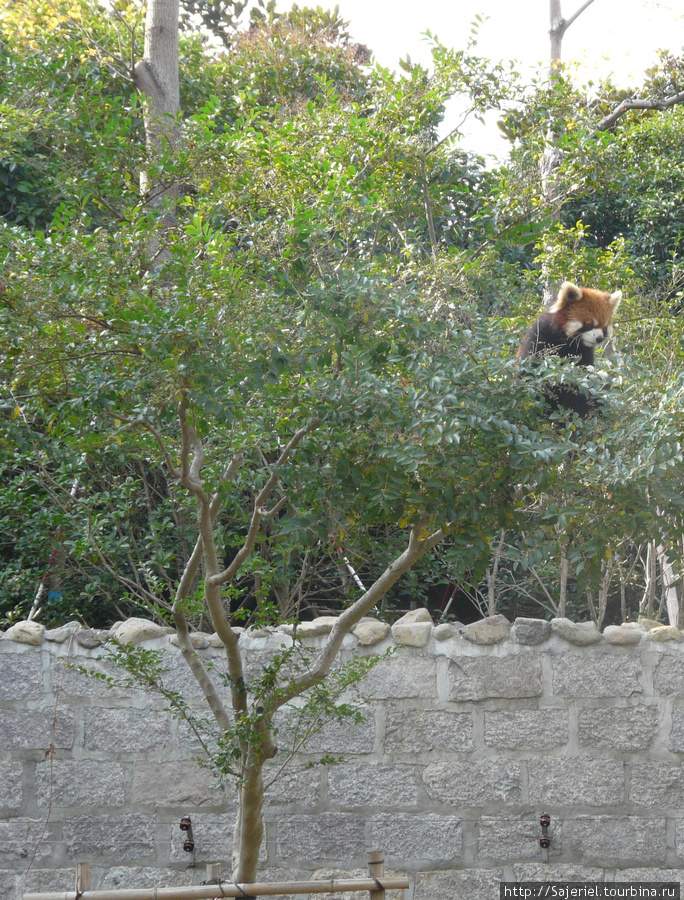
584	314
586	334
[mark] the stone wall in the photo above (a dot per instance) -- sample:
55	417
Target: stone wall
467	738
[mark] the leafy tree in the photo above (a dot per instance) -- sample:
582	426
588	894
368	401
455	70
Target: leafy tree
202	404
282	353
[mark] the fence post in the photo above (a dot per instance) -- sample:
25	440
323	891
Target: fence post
213	873
82	877
376	869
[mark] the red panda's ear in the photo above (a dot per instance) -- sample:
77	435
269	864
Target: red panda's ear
568	293
614	299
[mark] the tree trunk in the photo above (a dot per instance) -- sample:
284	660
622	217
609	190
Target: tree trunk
669	581
553	156
556	32
156	77
647	605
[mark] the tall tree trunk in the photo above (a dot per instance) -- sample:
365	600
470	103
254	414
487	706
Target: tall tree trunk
156	77
553	156
556	32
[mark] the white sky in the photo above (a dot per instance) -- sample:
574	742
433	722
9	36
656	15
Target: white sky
618	37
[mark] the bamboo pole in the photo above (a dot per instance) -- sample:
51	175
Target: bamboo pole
82	877
376	869
228	889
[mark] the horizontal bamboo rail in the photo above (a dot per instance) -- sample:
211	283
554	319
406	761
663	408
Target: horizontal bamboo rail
227	889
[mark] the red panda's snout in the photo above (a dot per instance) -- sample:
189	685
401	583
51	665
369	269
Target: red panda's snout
594	336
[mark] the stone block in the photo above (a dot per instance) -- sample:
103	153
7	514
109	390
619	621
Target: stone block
474	784
121	878
523	729
664	633
21	676
319	627
557	872
326	836
576	782
89	638
612	674
580	633
417	838
624	728
254	660
364	785
658	785
22	839
679	837
444	632
475	884
179	782
335	736
612	840
123	837
134	631
36	729
30	633
424	731
668	678
213	833
299	787
415	616
63	633
489	631
641	874
531	631
416	635
126	730
11	773
198	640
47	881
676	737
8	884
91	782
178	677
626	635
479	678
648	624
403	676
508	839
188	738
370	632
91	682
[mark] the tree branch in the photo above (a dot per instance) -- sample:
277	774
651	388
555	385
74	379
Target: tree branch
568	22
192	447
198	670
638	103
417	547
259	511
148	426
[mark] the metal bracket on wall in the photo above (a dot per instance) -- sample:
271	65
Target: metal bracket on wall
545	839
189	842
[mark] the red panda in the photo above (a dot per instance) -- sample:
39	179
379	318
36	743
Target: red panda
572	326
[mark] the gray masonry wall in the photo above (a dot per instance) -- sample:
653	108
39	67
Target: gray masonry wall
463	746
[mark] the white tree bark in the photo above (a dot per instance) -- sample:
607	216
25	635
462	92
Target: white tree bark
553	156
669	579
659	104
647	605
559	26
156	76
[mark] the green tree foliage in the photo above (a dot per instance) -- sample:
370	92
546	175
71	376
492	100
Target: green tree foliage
331	262
279	304
291	392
